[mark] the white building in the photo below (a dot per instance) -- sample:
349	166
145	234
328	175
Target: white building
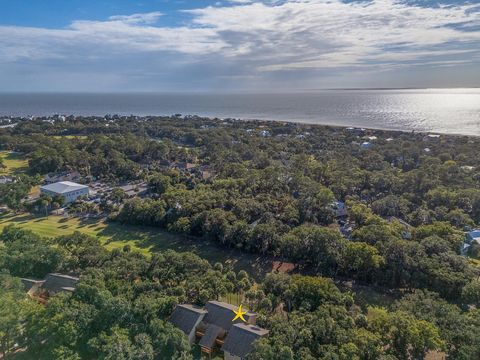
70	191
471	237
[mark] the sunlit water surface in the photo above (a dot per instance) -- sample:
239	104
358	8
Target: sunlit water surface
440	110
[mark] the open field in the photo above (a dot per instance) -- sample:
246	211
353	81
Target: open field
15	163
143	239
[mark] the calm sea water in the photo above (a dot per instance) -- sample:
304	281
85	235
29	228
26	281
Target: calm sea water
440	110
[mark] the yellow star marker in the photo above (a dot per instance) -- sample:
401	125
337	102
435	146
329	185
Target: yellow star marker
239	314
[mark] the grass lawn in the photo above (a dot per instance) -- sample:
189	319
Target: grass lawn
143	239
15	163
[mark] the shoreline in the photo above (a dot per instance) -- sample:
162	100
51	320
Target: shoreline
188	117
194	117
422	132
441	111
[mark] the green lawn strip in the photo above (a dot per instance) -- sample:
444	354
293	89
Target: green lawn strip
15	163
143	239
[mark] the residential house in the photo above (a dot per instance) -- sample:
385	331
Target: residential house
471	237
431	138
214	329
51	285
187	318
239	342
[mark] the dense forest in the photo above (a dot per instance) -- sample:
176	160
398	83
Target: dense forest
267	188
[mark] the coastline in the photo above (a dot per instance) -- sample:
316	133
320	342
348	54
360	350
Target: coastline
301	122
344	127
443	111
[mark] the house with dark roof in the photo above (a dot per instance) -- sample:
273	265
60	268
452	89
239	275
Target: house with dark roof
221	314
51	285
55	283
239	341
187	318
213	327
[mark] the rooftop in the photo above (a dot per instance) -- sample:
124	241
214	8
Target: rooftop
186	317
63	187
474	235
60	282
216	320
53	283
221	314
211	334
240	339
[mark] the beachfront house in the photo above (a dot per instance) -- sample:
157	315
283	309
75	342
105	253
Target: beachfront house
213	329
431	138
68	190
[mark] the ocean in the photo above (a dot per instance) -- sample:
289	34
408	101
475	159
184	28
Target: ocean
455	111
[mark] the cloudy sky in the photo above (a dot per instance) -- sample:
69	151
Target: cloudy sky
237	45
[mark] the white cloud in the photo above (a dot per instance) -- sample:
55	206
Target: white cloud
148	18
257	37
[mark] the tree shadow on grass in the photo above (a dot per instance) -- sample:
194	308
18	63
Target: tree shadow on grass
157	240
16	218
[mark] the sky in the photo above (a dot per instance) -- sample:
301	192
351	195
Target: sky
237	45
